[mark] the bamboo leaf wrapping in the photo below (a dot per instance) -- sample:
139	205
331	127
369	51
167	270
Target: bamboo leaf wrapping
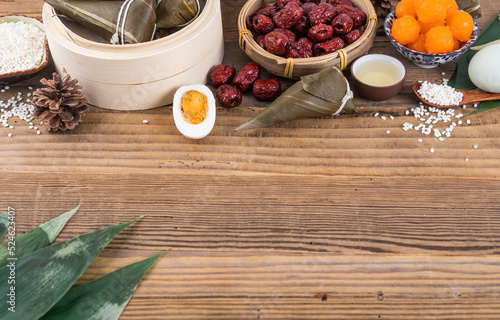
471	6
37	238
4	222
102	17
172	13
314	95
103	298
44	276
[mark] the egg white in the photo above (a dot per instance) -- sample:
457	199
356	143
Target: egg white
484	69
194	131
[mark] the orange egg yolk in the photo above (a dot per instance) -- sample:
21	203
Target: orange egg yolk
194	106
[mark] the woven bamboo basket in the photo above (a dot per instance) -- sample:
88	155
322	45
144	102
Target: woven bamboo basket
138	76
295	68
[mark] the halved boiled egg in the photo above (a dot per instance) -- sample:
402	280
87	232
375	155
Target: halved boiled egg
194	111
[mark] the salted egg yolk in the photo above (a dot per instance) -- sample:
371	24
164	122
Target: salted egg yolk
194	107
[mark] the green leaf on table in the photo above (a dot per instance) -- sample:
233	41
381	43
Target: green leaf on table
4	223
44	276
486	106
460	78
103	298
37	238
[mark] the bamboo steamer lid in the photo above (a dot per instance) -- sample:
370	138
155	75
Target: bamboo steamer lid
295	68
143	75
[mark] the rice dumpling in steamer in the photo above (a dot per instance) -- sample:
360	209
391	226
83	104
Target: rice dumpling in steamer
176	13
116	21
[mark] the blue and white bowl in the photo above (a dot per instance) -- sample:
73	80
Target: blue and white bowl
427	60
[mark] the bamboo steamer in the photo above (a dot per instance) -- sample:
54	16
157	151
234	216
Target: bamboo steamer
295	68
143	75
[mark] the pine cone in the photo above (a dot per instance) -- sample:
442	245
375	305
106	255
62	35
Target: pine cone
61	105
383	8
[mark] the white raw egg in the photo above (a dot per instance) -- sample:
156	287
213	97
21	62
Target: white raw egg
194	111
484	69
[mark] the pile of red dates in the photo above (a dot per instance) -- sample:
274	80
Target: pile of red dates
230	84
307	28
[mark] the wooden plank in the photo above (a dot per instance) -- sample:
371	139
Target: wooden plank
236	285
268	213
357	145
30	8
348	145
330	218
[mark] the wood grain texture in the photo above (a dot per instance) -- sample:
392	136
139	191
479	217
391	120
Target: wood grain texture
330	218
267	213
304	286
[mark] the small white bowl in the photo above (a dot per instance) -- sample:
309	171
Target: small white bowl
18	76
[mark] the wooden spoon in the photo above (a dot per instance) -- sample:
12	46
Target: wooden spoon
468	97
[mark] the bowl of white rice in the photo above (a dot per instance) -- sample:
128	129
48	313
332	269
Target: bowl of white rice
24	49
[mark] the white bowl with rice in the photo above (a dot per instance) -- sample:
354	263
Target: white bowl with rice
24	50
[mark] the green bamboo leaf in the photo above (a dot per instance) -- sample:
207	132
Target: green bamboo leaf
43	277
486	106
103	298
477	48
37	238
460	77
4	222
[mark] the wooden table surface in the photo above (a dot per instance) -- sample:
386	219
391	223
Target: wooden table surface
330	218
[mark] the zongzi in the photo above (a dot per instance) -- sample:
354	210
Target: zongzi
471	6
119	22
176	13
319	94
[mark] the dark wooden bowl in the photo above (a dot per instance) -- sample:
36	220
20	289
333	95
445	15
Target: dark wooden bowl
18	76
